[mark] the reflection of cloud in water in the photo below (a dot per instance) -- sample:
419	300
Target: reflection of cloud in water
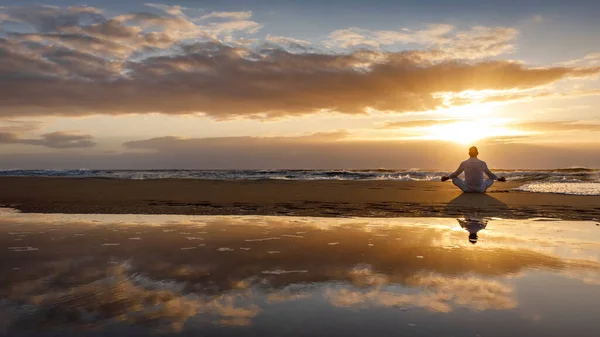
589	276
441	294
119	297
363	276
165	283
281	272
23	249
286	296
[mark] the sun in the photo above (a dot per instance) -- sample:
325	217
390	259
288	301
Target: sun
466	132
471	123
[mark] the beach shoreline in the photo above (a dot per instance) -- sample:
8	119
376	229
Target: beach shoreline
275	197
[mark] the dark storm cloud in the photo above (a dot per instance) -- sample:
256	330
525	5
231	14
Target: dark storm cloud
80	62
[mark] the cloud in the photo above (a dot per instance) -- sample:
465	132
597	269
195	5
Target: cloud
287	296
86	29
18	127
52	19
417	123
478	42
165	143
55	140
558	126
511	96
289	42
121	296
357	37
174	10
228	15
442	294
79	61
588	60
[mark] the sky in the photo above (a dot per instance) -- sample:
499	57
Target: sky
298	84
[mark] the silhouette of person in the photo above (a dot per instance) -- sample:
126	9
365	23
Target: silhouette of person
474	169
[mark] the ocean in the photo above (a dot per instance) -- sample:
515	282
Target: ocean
576	181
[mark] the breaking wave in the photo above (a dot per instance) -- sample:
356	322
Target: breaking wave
566	175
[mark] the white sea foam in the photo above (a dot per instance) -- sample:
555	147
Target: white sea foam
23	249
281	272
575	188
263	239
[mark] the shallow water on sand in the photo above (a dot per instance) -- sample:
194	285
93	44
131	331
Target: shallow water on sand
123	275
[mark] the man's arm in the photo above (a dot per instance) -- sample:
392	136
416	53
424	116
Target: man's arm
456	173
490	174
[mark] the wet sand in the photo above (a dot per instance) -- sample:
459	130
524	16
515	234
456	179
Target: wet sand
269	197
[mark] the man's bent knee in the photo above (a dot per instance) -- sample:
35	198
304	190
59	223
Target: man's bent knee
459	183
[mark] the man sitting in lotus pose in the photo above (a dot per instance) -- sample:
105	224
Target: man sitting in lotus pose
474	170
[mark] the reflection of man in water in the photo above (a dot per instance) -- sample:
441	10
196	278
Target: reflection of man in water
474	170
473	225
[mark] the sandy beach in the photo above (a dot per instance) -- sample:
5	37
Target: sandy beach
273	197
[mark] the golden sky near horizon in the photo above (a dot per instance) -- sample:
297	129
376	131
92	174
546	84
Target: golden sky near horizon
127	85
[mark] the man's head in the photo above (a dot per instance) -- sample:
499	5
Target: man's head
473	238
473	151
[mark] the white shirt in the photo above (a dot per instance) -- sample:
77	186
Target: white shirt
474	170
